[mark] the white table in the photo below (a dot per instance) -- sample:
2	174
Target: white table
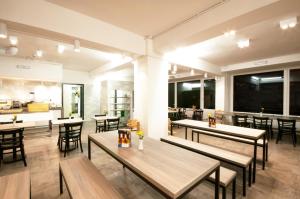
241	132
66	121
17	125
103	118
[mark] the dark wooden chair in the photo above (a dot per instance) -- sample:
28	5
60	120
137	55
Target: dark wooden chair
100	125
61	131
11	141
262	123
198	115
72	135
287	127
113	124
241	120
182	113
18	121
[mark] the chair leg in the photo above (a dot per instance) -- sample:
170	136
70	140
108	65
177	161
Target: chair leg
80	145
23	156
224	192
267	152
65	152
234	188
244	181
278	136
294	139
58	140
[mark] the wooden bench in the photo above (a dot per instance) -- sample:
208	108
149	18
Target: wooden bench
83	180
222	155
16	186
232	138
227	177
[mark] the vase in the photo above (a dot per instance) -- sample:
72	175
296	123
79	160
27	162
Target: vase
141	144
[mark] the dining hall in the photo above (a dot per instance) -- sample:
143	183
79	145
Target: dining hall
138	99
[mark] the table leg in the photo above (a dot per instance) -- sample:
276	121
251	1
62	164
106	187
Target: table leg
264	152
186	133
254	160
217	182
89	148
60	181
171	128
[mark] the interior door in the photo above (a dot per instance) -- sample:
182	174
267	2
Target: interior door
73	100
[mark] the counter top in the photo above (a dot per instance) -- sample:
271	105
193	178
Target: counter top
23	111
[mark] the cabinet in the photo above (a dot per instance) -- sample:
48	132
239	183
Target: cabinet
120	105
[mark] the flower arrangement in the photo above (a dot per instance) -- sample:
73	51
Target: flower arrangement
140	134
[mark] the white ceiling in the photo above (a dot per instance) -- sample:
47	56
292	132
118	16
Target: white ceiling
144	17
85	60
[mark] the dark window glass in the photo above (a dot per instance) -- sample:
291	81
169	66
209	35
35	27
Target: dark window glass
253	92
209	93
188	94
295	92
171	95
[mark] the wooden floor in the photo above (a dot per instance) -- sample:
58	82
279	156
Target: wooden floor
281	179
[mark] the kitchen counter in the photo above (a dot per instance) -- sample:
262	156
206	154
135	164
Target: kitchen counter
24	111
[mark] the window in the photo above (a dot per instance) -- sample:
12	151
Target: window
209	93
252	92
171	95
188	94
295	92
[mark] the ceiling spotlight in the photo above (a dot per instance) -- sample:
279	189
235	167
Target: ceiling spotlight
173	72
77	46
38	53
60	48
192	72
244	43
3	31
13	40
205	75
169	67
229	33
288	23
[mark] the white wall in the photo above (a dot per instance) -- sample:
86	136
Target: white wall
12	67
75	77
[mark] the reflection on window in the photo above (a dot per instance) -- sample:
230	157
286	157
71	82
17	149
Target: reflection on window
295	92
171	95
253	92
188	94
209	93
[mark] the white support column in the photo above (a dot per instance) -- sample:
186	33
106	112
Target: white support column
286	92
175	94
201	105
151	95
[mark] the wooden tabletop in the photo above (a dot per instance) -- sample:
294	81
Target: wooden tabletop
104	117
67	121
170	169
15	186
247	133
17	125
85	181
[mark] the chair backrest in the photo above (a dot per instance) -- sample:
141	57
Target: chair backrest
260	122
100	115
241	120
286	125
113	124
73	129
18	121
64	118
198	115
11	138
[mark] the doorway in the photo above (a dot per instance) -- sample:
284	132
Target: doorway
73	100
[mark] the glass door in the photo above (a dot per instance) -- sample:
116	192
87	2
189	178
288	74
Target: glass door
73	100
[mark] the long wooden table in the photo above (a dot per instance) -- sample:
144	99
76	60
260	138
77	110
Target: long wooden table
169	169
15	186
241	132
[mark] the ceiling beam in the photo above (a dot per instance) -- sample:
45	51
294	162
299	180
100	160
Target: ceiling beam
42	15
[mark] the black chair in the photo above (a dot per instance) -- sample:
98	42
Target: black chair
100	125
287	127
113	124
182	113
12	141
72	135
261	123
61	131
241	120
198	115
18	121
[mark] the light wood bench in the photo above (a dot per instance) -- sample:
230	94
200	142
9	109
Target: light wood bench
232	138
83	180
227	177
222	155
16	186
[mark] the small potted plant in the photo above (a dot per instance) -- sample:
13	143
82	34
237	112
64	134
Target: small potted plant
70	115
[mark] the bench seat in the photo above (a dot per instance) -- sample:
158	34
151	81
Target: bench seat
229	157
83	180
16	186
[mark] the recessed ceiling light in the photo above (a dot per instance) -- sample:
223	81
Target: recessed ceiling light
173	72
39	53
60	48
230	33
288	23
13	40
77	46
205	75
192	72
3	31
175	68
243	43
169	67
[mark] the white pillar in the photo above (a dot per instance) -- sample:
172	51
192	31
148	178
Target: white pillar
151	95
